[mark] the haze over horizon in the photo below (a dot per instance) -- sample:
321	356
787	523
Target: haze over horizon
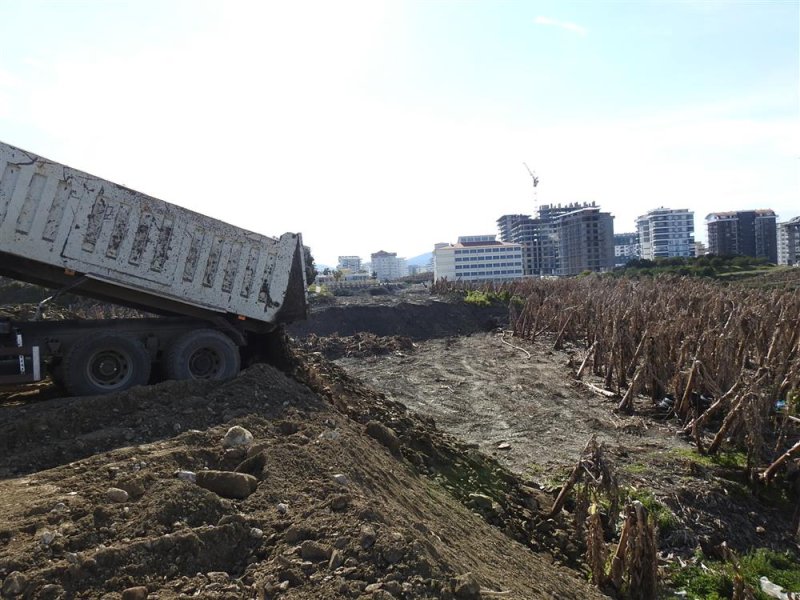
394	125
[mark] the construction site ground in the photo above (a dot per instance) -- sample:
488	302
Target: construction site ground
422	463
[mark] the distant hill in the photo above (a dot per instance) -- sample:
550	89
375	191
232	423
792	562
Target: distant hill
421	260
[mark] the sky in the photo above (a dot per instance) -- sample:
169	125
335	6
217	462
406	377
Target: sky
393	125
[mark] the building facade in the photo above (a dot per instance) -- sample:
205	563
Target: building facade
507	223
477	258
585	241
745	232
387	266
350	263
789	242
538	236
626	248
666	232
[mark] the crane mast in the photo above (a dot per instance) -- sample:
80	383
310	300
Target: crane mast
535	181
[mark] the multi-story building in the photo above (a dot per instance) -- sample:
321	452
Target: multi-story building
527	232
744	232
789	242
626	248
507	223
585	241
700	248
387	266
350	263
666	232
538	237
477	258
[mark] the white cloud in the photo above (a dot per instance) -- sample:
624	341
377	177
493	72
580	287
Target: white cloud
566	25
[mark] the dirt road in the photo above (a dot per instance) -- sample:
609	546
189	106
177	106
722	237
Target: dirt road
524	408
519	405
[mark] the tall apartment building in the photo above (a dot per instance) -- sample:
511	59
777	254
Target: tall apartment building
537	236
666	232
744	232
350	263
542	238
585	241
477	258
626	248
507	223
789	242
387	266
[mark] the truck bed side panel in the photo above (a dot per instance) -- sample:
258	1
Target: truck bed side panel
64	218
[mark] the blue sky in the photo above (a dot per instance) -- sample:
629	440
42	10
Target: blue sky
395	125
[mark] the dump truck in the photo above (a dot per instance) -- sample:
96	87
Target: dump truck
217	293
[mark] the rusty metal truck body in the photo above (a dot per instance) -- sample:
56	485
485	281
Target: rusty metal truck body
66	229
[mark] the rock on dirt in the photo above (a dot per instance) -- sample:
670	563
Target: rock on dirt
467	587
116	495
384	435
227	484
135	593
481	501
189	476
14	584
368	537
237	437
314	551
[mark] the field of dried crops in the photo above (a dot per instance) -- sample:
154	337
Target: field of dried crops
724	358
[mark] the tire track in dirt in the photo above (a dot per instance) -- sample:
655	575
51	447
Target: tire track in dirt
488	393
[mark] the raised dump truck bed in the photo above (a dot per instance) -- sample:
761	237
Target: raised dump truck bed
57	222
220	288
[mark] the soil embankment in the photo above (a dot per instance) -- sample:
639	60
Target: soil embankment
346	494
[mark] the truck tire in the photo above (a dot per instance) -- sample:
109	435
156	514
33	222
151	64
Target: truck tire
102	363
203	354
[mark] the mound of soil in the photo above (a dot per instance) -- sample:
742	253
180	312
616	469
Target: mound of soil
433	319
354	497
359	345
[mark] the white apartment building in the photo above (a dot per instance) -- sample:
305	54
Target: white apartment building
477	258
789	242
387	267
666	232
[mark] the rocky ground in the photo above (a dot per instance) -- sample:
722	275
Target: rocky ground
422	464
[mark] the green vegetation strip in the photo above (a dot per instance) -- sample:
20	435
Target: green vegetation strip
716	580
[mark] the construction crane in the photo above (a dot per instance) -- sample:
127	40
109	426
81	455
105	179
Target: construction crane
535	180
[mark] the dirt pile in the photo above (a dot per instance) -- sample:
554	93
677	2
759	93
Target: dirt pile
20	301
354	497
418	321
359	345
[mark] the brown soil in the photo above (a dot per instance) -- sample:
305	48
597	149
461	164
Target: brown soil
421	469
523	407
400	523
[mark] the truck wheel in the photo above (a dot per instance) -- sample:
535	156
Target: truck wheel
101	363
203	354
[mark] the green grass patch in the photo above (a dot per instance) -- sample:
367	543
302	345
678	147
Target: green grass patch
636	468
729	459
717	582
483	298
548	477
478	298
664	518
